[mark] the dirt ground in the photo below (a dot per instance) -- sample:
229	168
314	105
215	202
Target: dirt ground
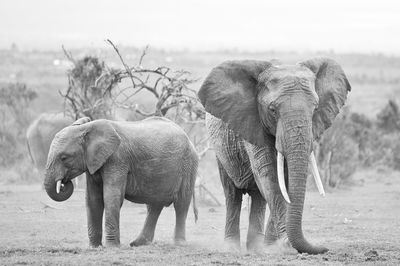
360	225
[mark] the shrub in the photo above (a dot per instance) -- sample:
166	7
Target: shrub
90	85
337	151
355	140
388	118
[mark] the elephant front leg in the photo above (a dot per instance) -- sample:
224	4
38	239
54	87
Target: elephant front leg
271	234
275	232
114	192
112	205
276	225
233	201
263	164
255	235
94	210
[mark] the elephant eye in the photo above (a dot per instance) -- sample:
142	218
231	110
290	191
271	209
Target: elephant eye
272	108
273	81
63	157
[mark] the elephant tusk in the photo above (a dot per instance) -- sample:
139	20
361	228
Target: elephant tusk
281	176
58	186
316	175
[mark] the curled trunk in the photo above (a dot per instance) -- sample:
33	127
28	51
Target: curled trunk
66	189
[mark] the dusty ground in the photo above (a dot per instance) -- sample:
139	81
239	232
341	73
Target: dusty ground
360	225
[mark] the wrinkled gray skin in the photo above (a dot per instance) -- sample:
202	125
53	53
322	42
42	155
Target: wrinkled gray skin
150	161
39	135
255	109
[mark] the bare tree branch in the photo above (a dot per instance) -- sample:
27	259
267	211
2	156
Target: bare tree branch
143	54
122	61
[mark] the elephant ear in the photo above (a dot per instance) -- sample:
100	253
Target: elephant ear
332	86
101	142
230	93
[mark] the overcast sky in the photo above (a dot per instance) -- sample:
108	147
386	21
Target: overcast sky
341	25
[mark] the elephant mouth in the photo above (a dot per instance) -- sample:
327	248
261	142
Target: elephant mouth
281	176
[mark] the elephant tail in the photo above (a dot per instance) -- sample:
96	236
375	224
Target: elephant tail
195	210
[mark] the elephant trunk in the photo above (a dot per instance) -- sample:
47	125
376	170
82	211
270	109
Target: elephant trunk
295	145
64	190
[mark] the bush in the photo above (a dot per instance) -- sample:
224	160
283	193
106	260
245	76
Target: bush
90	85
388	118
354	140
337	151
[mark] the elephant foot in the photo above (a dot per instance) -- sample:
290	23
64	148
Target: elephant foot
270	239
95	246
255	244
281	246
140	241
232	245
112	245
180	241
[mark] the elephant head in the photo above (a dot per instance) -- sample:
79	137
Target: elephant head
289	106
83	146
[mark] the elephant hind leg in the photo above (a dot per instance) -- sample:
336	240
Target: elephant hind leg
188	172
147	234
233	202
181	210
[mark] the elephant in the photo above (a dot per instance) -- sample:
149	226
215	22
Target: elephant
150	161
262	119
39	135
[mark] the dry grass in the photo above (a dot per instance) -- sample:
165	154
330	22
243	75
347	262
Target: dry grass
359	225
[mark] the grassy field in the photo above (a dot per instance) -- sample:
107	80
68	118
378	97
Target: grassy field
360	225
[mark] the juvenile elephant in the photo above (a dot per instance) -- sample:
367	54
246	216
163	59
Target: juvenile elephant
150	161
262	120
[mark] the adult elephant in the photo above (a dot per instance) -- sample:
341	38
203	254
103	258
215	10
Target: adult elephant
262	120
39	135
150	161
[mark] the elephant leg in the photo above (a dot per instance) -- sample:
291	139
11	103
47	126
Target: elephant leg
233	201
271	234
275	234
263	164
146	236
114	183
181	210
94	210
255	234
276	225
112	205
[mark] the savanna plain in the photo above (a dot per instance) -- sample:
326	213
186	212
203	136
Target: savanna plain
358	219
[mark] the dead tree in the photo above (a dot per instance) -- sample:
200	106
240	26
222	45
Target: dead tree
90	87
96	91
